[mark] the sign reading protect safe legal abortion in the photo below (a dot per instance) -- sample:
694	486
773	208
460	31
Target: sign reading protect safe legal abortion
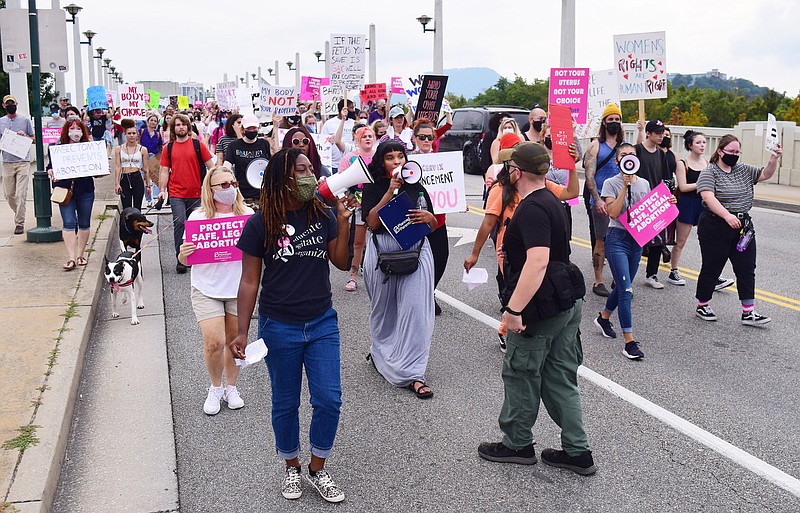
570	87
215	239
77	160
650	215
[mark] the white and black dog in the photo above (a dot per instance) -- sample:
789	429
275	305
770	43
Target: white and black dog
125	277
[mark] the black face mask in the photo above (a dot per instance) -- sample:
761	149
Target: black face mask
351	114
666	142
613	128
11	109
251	136
537	125
293	120
730	160
548	143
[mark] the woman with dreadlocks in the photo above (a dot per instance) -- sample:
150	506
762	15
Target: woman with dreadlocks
296	235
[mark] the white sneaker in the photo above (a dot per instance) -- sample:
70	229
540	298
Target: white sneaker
292	484
211	406
653	282
324	484
232	397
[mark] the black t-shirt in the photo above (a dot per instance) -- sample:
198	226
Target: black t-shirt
295	284
654	167
539	221
98	126
373	192
672	164
243	155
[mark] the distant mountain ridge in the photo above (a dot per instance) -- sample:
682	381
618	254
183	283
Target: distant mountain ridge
470	82
737	85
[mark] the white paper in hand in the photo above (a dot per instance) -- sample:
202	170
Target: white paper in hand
771	137
476	276
253	353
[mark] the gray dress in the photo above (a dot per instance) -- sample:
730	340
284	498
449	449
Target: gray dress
401	321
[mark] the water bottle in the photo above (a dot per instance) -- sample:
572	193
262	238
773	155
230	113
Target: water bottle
744	240
422	204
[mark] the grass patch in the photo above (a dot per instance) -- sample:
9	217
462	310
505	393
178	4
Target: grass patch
103	216
26	438
72	310
7	507
88	250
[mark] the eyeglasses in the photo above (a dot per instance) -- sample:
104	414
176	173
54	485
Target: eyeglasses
297	142
225	185
736	153
362	117
425	137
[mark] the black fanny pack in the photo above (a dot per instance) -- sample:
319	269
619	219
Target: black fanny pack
562	286
397	263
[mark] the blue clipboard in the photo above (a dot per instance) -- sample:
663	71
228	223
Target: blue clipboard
394	216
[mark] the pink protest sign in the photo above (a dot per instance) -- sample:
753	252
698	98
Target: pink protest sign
650	215
198	103
309	87
570	87
51	135
215	239
562	136
397	85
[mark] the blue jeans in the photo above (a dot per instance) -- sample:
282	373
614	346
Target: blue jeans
623	255
315	346
77	214
181	208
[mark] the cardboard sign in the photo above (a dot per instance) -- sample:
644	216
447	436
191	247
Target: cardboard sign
277	100
132	103
226	95
173	101
372	93
431	95
641	63
163	102
562	136
183	102
96	97
324	148
397	85
603	90
348	60
771	137
15	144
394	216
79	159
570	87
309	87
155	96
331	96
215	239
246	99
650	215
443	178
50	135
110	98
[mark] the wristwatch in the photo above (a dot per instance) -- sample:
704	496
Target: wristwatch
512	312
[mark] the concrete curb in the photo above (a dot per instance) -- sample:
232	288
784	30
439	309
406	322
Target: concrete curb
37	474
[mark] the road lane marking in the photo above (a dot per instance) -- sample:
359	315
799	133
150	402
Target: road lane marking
740	457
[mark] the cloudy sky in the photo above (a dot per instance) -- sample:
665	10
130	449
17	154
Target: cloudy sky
199	40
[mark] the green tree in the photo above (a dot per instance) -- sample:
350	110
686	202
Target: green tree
793	112
456	100
517	93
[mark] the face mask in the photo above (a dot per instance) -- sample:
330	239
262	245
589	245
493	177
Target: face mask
537	125
226	196
666	142
730	160
54	115
508	130
11	109
222	121
311	128
306	187
548	143
251	136
75	135
293	120
613	128
351	114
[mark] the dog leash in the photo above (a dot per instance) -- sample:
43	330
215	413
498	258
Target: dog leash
154	238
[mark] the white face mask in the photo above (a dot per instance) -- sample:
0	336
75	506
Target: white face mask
226	196
508	130
75	135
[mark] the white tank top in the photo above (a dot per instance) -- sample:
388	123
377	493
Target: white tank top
128	160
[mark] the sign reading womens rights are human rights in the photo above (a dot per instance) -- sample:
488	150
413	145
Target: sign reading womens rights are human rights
443	178
570	87
641	63
650	215
348	60
76	160
215	239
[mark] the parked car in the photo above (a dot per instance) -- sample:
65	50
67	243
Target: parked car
470	125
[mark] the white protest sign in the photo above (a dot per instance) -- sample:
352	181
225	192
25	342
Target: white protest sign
413	88
226	95
244	99
771	137
79	159
331	96
443	178
641	63
15	144
133	101
277	100
347	60
603	89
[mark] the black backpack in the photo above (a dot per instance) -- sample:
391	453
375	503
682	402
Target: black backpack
197	152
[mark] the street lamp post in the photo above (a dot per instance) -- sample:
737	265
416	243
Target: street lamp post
100	51
438	33
73	11
89	34
373	73
105	75
567	34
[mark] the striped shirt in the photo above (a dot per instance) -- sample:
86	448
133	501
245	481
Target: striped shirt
733	190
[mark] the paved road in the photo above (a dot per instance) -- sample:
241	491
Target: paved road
396	453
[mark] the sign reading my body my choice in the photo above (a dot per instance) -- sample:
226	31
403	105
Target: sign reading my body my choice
215	239
77	160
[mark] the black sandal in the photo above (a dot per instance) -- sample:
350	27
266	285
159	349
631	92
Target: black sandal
418	390
70	265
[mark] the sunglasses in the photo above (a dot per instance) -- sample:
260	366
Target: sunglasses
297	142
425	137
225	185
362	117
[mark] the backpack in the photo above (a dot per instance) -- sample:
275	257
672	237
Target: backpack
197	152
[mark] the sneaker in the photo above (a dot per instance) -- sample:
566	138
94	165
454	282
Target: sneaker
211	406
675	278
232	397
653	282
632	351
497	451
324	484
181	269
601	290
751	318
19	230
582	464
723	282
503	345
292	484
605	326
707	314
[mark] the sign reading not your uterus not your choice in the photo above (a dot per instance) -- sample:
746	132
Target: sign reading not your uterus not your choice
570	87
77	160
641	63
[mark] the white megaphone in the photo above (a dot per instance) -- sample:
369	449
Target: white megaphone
337	184
411	172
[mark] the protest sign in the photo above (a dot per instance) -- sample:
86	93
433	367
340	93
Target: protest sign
570	87
771	137
641	63
347	60
183	102
163	102
132	102
443	178
244	99
226	95
96	98
198	104
372	93
155	96
562	136
277	100
50	135
430	99
309	87
331	96
110	98
650	215
215	239
173	101
603	90
324	148
15	144
397	85
79	159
